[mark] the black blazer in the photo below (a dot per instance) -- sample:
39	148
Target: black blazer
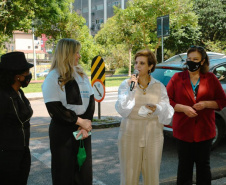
15	114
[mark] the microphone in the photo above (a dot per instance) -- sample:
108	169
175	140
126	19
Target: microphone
136	72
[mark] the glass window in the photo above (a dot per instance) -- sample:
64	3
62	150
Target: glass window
85	10
177	58
220	73
164	75
100	7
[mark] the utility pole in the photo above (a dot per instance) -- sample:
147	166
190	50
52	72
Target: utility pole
122	4
89	6
105	11
34	54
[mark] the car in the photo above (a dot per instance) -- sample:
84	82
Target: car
182	57
44	73
164	71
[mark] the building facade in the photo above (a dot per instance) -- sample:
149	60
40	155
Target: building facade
97	12
22	41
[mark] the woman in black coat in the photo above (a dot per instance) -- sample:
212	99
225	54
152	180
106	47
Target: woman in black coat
15	114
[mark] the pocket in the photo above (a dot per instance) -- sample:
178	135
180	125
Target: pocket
10	160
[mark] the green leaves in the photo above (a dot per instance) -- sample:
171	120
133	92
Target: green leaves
51	17
212	19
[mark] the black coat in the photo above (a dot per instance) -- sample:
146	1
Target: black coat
15	114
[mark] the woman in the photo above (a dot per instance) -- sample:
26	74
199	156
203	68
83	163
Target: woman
69	99
144	110
195	93
15	114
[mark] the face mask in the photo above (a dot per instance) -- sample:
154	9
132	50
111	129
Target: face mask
26	80
193	66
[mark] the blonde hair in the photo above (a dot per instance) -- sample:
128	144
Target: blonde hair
64	60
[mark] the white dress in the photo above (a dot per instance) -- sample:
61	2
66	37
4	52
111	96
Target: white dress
140	139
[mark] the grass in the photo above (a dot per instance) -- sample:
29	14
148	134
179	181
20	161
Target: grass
109	82
114	81
33	87
106	120
120	71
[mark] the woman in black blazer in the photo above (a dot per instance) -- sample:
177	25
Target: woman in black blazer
15	114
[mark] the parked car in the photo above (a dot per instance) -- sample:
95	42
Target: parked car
44	73
164	71
182	57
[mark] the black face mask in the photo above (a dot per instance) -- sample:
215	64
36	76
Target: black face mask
26	80
193	66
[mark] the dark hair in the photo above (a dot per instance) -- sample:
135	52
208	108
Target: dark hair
7	77
205	67
150	55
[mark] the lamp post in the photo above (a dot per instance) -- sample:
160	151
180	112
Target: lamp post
34	54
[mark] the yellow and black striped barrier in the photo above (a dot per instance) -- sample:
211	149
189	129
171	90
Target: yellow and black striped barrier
98	69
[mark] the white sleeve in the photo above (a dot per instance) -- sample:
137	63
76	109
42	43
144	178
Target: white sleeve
126	99
164	110
50	90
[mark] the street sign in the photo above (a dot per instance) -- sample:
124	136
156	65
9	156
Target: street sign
163	21
98	80
99	90
98	69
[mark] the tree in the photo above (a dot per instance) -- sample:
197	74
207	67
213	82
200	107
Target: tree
42	14
181	39
47	16
77	29
211	18
13	16
136	25
111	48
51	17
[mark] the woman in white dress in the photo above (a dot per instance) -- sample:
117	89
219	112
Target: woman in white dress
144	111
69	99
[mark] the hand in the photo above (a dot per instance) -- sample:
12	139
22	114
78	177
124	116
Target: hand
85	124
189	111
83	132
133	78
151	107
222	77
200	105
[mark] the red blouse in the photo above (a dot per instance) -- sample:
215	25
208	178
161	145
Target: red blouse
201	127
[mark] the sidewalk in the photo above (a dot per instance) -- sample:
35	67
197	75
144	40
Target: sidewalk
38	95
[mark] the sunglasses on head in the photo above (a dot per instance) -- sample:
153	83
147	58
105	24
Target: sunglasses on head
198	47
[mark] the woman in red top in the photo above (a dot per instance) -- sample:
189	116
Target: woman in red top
195	93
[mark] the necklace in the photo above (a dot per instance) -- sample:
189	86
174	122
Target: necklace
194	87
144	88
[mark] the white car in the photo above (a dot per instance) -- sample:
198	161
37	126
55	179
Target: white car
183	56
44	73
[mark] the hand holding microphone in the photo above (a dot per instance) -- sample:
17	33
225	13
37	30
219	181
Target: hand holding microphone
133	80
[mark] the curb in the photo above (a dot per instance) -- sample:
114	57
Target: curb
99	125
33	98
38	95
